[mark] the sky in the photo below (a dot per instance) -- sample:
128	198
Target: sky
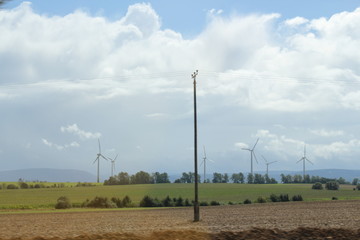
73	72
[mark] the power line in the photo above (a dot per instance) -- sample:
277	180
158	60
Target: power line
124	80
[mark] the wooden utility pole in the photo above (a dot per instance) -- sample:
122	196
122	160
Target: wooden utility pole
196	202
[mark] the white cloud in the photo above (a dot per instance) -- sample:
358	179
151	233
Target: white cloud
214	12
80	133
339	149
241	145
293	22
157	115
143	17
327	133
59	147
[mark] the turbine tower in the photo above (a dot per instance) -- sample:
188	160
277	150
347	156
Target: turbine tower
267	164
252	155
113	164
304	159
204	162
99	155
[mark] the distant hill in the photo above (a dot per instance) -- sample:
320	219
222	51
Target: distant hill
48	175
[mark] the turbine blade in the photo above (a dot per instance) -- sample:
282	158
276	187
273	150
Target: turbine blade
272	162
99	145
116	157
246	149
264	159
96	159
255	144
309	161
204	152
300	160
103	157
254	156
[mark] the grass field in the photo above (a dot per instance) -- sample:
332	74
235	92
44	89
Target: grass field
236	193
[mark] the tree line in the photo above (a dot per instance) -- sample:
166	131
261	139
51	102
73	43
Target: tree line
297	178
123	178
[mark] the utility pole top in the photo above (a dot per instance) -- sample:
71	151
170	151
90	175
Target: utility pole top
194	75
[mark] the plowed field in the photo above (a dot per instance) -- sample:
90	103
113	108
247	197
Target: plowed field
304	220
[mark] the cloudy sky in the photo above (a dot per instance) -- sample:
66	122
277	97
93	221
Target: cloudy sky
72	72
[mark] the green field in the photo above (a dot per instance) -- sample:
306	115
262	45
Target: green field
236	193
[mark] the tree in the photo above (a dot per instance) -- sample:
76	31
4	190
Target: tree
123	178
267	179
307	179
141	178
237	178
341	180
259	179
250	178
286	178
161	177
317	186
225	178
217	177
355	181
297	178
332	185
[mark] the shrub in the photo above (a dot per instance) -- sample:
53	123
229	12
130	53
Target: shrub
247	201
148	201
85	184
100	202
126	202
118	202
332	185
334	198
204	203
0	187
187	203
231	203
214	203
23	185
317	186
167	202
63	203
297	198
179	202
261	200
284	197
274	198
12	186
358	186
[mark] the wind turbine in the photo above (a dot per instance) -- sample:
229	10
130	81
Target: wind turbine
113	164
252	155
267	164
304	159
99	155
204	162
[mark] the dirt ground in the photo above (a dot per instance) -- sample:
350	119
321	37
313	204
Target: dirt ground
303	220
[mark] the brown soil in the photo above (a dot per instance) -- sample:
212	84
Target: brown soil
305	220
